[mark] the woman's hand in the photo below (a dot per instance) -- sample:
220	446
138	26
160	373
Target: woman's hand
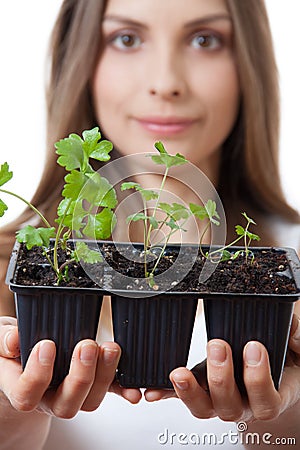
218	395
91	375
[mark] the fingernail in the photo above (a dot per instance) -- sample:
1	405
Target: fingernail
88	353
6	343
110	355
217	353
252	354
182	385
46	353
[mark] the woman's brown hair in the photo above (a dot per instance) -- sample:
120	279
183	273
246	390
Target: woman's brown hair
249	177
249	173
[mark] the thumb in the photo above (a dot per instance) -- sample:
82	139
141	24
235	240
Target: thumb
9	339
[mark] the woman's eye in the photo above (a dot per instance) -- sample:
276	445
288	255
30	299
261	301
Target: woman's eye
206	41
126	41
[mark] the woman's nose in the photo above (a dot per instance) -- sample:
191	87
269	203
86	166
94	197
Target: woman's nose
165	92
167	79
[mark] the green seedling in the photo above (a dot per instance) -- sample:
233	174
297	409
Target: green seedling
243	233
247	236
172	214
208	212
88	212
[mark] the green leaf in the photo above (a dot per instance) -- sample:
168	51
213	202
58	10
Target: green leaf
65	207
211	209
237	254
3	208
137	216
84	253
153	222
130	185
32	236
165	207
249	220
198	211
99	192
226	255
110	198
75	182
208	211
5	174
65	212
65	238
252	236
165	159
173	225
93	148
77	217
91	139
150	279
71	152
175	210
101	225
148	194
240	231
101	152
62	207
169	160
160	147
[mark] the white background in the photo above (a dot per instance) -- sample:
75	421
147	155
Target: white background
24	32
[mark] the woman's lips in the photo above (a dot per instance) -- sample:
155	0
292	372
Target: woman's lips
165	126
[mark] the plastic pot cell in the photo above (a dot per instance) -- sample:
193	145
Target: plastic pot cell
154	334
64	315
242	317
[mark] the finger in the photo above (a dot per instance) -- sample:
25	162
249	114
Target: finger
73	391
199	372
8	320
263	398
108	358
9	340
153	395
130	394
294	341
193	396
225	396
26	389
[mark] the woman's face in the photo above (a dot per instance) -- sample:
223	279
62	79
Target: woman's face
167	72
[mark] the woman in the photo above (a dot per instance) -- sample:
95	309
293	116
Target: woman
201	77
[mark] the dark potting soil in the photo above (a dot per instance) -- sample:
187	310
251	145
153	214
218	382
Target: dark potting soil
267	273
33	269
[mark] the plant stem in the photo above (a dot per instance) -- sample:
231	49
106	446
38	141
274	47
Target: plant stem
165	244
156	204
160	255
66	263
245	241
145	238
28	204
201	239
57	239
226	246
49	260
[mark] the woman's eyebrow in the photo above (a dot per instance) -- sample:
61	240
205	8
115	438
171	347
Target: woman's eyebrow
207	19
135	23
123	20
